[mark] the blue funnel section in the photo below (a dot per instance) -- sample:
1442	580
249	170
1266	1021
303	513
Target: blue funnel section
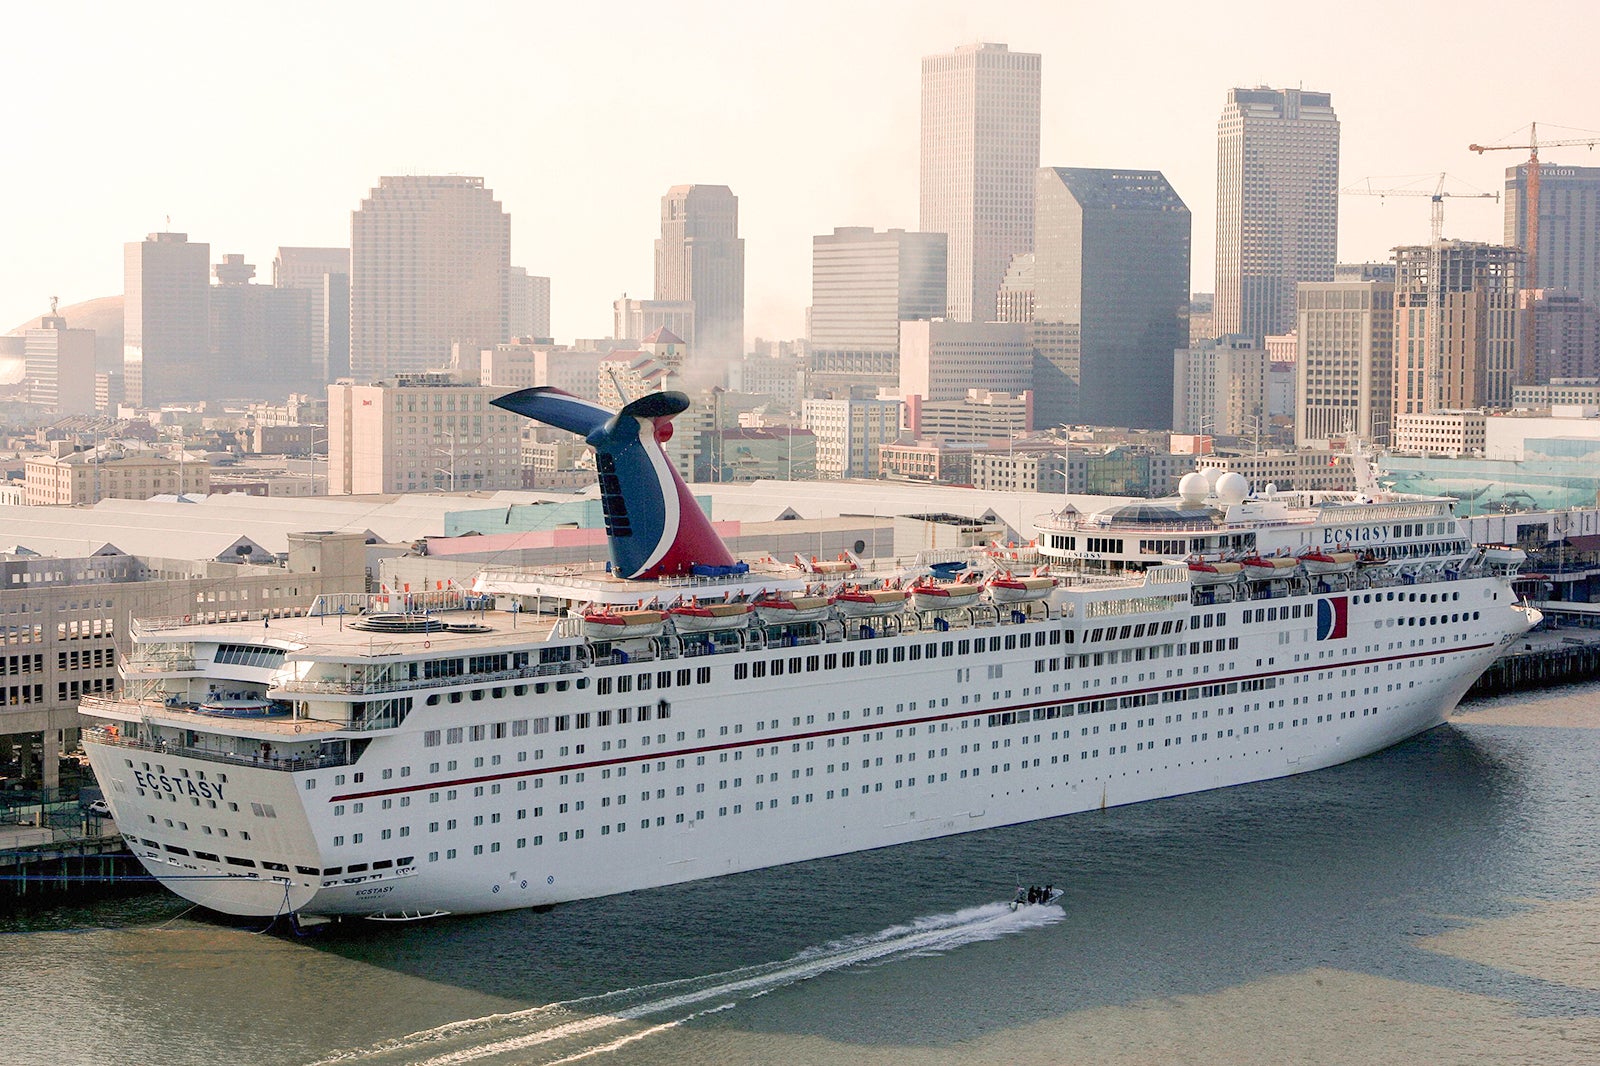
652	523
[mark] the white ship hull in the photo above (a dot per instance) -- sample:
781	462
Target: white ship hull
749	772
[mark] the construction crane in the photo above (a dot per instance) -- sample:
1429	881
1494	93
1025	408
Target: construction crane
1530	212
1435	365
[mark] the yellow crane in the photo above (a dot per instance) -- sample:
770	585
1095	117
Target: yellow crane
1435	365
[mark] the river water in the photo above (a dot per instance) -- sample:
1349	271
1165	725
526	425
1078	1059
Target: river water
1438	902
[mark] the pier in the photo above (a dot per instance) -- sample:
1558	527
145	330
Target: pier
53	850
1548	657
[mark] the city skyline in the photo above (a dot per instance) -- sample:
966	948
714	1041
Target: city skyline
296	166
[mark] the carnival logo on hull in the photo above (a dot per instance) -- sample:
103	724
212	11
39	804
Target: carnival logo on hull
1333	618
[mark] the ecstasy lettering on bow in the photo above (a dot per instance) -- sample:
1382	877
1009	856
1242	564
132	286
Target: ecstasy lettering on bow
178	786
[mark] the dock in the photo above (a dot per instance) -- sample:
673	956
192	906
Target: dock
1548	657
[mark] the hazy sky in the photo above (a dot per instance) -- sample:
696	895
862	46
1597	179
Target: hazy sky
261	125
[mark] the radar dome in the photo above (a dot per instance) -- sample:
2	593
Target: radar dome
1232	488
1194	487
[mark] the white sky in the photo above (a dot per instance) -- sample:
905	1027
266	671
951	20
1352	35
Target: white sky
265	124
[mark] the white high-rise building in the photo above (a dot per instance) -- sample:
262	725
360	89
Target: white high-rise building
430	265
850	435
59	366
1220	387
864	284
1277	205
980	149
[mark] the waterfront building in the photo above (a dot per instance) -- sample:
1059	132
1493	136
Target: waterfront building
1441	433
419	433
1111	295
1581	391
979	151
1277	205
430	262
1344	363
166	319
700	260
1310	470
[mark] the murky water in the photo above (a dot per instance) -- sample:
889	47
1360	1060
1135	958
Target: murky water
1438	902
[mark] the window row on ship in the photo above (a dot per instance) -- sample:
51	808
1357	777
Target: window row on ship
575	807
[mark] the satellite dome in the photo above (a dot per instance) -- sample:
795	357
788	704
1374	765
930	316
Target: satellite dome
1232	488
1194	487
1211	474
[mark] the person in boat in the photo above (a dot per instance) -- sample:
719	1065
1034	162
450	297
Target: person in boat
1049	890
1022	895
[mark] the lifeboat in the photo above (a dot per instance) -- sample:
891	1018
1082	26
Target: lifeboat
778	610
695	617
1257	568
606	624
933	595
856	602
1008	588
1336	562
842	565
1205	572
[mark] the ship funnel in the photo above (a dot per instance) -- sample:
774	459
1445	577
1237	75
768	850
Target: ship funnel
653	524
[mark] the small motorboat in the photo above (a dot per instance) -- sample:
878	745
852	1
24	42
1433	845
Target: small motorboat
1006	587
607	624
854	601
1036	897
777	610
693	617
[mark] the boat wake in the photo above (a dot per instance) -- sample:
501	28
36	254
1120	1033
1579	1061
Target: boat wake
576	1029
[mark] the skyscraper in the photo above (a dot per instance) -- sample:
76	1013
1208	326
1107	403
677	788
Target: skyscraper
430	262
1569	227
326	272
1479	335
166	308
864	284
700	257
1111	296
1344	361
1277	205
528	313
261	338
980	149
59	366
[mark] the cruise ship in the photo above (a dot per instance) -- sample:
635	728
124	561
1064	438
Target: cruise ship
553	734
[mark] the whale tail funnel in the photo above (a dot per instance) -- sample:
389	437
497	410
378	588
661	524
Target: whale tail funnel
653	524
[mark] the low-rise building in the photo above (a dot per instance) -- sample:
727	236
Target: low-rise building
1441	433
110	471
418	433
